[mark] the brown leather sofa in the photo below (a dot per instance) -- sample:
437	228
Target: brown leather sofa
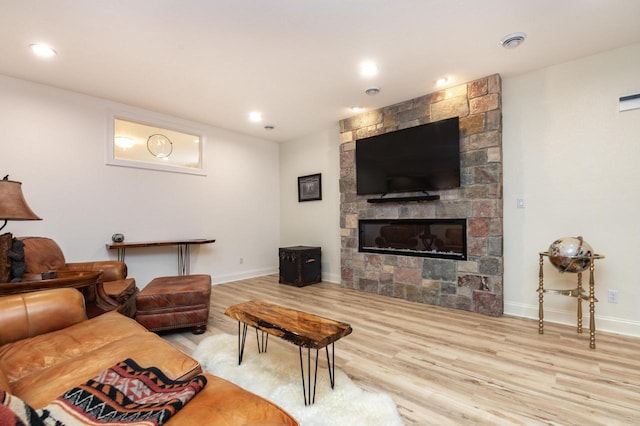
105	292
47	346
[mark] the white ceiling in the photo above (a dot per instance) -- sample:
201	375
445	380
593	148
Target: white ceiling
214	61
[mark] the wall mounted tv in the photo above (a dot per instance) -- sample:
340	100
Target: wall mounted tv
421	158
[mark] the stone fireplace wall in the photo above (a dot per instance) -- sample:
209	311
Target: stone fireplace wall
475	284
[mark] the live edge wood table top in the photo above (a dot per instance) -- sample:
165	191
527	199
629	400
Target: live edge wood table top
300	328
160	243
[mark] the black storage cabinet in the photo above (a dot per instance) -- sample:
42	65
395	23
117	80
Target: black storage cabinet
300	265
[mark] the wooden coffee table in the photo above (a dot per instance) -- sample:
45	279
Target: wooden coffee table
300	328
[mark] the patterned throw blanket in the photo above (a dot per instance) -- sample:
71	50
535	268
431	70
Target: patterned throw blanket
125	394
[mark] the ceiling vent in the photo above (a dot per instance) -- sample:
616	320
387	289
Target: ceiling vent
512	41
630	102
372	91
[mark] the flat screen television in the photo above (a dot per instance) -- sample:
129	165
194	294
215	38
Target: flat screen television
421	158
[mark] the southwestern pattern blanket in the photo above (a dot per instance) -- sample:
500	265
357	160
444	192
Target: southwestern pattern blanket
125	394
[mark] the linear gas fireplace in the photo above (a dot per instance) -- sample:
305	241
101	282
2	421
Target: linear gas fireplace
439	238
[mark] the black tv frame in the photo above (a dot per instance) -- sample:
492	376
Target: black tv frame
383	154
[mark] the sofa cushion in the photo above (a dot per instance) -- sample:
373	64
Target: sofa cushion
147	349
24	357
121	394
224	403
39	312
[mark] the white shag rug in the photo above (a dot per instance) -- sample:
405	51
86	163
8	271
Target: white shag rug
275	375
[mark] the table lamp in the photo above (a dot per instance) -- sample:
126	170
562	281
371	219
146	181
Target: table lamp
13	206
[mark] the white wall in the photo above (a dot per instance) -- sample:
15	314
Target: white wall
574	158
313	223
53	141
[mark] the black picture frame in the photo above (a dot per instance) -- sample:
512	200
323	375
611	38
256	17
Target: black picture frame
310	187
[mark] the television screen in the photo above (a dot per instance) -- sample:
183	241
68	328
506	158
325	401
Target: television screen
421	158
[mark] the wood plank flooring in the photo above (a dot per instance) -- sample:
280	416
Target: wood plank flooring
449	367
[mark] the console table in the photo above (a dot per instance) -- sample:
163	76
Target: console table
183	250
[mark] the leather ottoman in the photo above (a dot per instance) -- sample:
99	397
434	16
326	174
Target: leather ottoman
168	303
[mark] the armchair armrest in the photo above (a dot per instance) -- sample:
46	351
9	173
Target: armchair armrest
31	314
112	270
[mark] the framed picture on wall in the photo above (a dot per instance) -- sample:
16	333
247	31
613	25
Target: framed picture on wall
310	187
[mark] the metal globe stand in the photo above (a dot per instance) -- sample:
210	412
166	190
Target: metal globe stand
579	293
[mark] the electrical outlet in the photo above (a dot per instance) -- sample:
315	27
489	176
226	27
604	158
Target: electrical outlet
241	260
613	296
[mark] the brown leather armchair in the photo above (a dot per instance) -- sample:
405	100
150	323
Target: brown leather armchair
104	284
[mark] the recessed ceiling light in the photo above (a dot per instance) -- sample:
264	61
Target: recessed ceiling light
42	50
511	41
368	69
255	116
442	81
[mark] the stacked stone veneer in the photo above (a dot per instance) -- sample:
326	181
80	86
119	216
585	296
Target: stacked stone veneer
475	284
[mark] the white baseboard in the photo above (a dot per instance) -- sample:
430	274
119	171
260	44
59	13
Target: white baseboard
226	278
221	279
603	323
331	278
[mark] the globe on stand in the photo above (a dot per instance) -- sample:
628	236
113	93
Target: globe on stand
562	253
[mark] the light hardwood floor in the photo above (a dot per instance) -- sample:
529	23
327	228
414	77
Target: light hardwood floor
444	366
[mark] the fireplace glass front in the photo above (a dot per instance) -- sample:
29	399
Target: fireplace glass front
439	238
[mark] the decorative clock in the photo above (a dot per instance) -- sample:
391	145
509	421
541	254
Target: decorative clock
159	145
